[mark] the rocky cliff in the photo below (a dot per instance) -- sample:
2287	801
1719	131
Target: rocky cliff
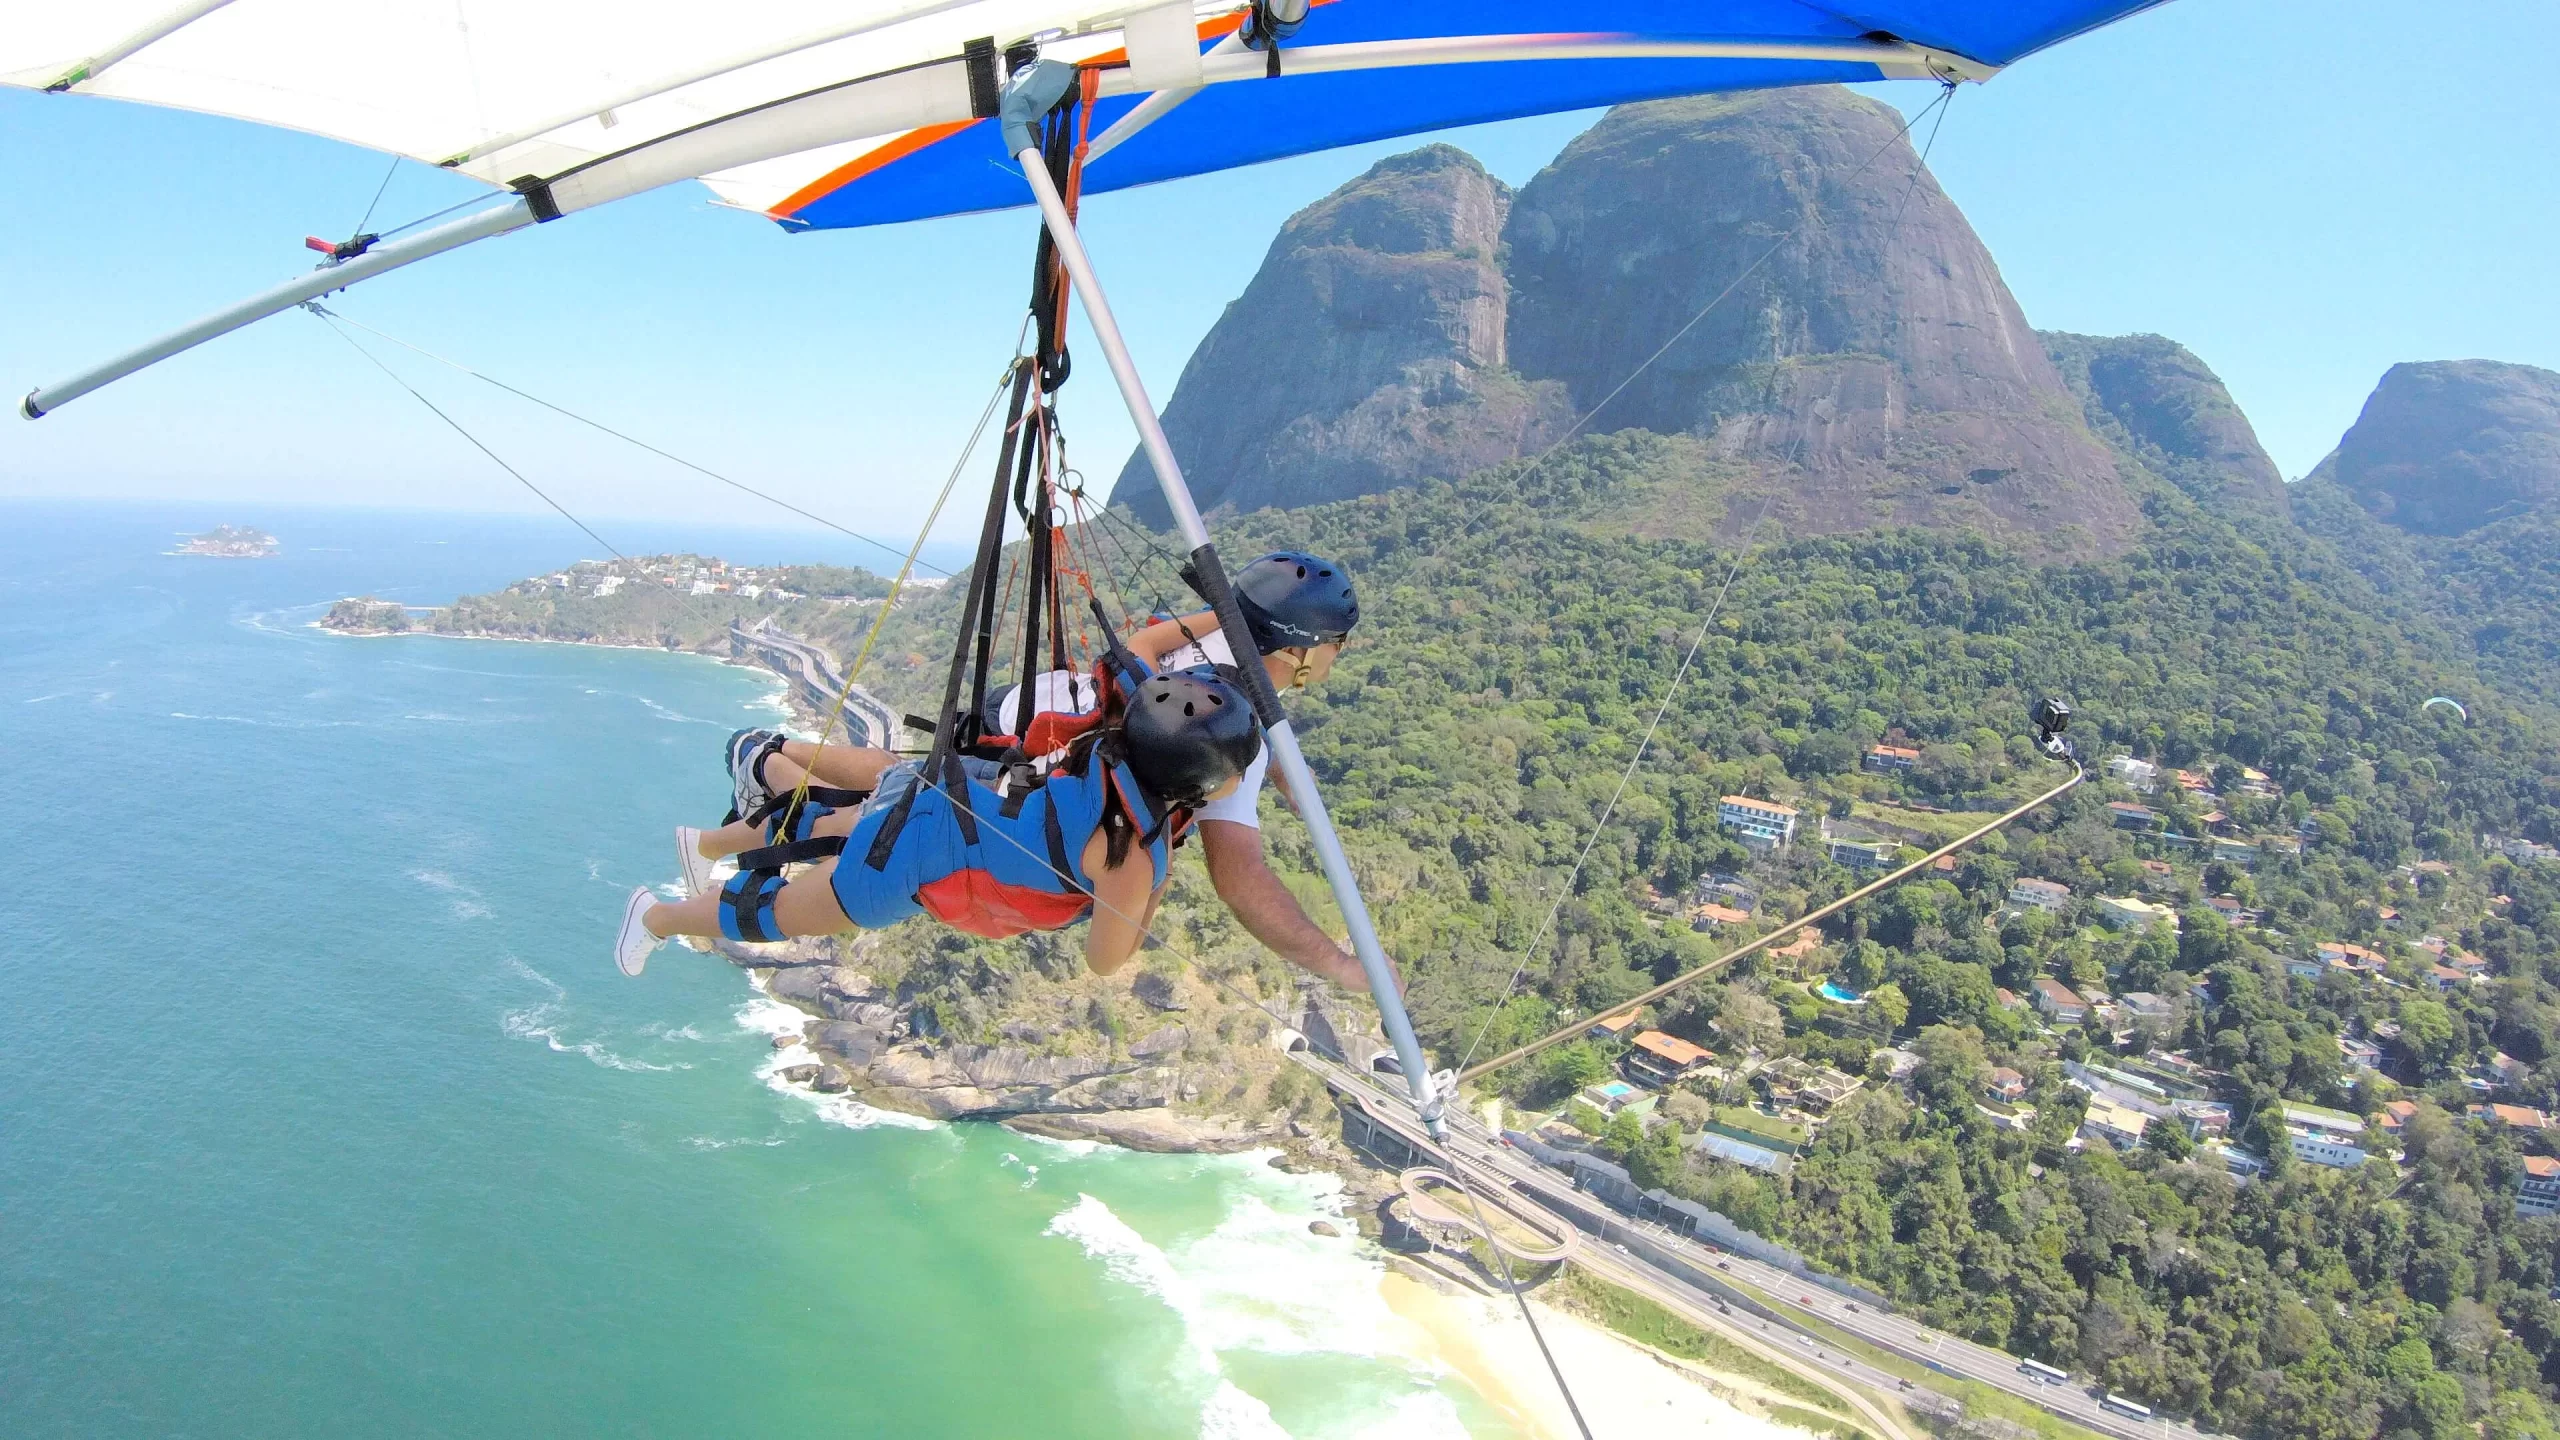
1367	353
1866	361
1867	367
2447	446
2153	399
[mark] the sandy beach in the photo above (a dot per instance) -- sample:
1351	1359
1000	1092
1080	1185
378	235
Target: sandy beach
1622	1388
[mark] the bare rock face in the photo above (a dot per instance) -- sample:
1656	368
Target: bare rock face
1367	353
2155	400
1155	991
1868	367
2445	447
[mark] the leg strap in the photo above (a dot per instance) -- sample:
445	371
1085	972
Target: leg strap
746	905
790	852
791	803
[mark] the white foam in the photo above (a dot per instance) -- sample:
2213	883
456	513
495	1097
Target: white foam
541	1022
1071	1146
1417	1415
1266	1283
1261	1282
771	1018
1129	1258
1231	1414
710	1142
537	977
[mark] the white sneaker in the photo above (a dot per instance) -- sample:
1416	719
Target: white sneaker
631	946
695	869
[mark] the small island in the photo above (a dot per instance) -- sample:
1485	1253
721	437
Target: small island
364	615
230	542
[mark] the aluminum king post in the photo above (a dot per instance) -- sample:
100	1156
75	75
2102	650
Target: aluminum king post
1029	87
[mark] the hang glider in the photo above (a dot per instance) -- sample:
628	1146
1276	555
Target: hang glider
825	114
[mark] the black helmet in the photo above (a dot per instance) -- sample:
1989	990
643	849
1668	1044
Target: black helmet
1188	732
1291	598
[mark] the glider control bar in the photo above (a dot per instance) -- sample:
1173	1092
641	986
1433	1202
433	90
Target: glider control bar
1030	95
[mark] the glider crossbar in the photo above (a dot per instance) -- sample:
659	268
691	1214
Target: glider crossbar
938	92
514	215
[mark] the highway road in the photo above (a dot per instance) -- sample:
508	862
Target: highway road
1787	1291
814	672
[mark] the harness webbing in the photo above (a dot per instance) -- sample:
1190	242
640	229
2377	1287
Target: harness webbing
1026	478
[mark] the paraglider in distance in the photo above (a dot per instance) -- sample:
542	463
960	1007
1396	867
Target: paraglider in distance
2449	703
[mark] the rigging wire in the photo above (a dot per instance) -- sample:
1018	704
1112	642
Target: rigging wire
316	308
1635	762
1626	776
494	457
844	697
1457	1172
378	192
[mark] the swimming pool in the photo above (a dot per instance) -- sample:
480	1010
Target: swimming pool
1829	991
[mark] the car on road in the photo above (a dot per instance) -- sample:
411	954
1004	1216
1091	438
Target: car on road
1853	1307
1724	1264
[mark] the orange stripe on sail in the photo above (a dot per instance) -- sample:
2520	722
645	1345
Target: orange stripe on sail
854	169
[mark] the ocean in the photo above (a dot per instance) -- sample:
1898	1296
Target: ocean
324	1112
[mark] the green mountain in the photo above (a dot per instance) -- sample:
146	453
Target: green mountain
2446	492
1825	323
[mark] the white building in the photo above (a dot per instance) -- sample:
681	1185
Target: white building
2538	1188
1760	824
2119	1125
608	584
2322	1148
2049	896
2131	912
2325	1137
2135	774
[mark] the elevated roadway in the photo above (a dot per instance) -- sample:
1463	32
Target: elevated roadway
815	681
1738	1292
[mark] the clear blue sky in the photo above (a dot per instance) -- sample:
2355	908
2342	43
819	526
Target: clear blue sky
2302	194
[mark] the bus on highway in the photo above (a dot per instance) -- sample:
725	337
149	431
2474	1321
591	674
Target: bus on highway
2122	1406
2042	1373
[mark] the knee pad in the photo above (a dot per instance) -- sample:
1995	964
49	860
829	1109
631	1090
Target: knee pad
746	906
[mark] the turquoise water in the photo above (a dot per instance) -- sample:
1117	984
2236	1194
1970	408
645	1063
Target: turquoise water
1830	990
322	1111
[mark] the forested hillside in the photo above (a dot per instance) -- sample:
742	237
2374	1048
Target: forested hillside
1518	643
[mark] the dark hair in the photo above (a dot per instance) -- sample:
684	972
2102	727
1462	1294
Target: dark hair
1118	827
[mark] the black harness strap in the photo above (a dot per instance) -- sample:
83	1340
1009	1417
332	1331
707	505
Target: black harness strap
748	898
942	765
1050	831
771	858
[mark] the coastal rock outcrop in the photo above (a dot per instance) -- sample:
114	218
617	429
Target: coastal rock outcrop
1366	354
2444	447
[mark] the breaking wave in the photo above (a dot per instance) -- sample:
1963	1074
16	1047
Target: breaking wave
542	1022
